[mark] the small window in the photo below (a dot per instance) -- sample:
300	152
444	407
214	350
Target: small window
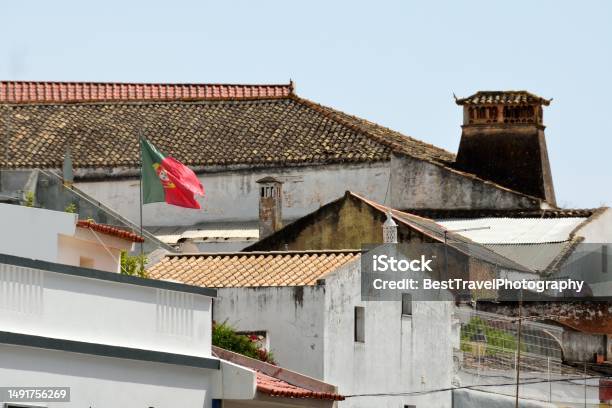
604	259
360	324
86	262
406	304
409	406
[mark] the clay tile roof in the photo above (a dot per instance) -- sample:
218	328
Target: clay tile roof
279	388
502	97
110	230
228	125
251	269
62	92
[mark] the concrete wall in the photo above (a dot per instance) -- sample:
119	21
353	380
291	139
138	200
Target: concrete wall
418	184
579	346
33	232
400	353
498	389
234	196
292	317
474	398
106	382
63	306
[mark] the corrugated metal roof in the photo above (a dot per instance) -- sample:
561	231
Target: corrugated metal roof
436	231
515	230
534	256
211	235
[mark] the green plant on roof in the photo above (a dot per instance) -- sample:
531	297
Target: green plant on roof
225	336
29	199
133	265
71	208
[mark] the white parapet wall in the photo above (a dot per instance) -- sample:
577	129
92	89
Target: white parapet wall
114	340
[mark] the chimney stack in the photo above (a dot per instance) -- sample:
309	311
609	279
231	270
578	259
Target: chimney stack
502	140
270	206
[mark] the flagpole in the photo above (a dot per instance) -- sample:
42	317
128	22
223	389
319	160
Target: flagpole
140	187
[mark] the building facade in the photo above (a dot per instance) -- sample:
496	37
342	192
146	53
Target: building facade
309	307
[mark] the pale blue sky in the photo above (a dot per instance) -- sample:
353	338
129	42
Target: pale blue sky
393	62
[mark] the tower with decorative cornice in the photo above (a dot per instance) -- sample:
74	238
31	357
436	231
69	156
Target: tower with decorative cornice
502	140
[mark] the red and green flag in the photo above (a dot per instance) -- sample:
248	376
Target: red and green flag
166	179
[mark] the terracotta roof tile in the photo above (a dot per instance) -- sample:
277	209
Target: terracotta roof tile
110	230
502	97
264	131
279	388
61	92
251	269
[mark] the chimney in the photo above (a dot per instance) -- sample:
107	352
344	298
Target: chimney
502	140
270	206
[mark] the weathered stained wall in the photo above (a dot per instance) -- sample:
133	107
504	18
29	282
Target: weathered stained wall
346	224
579	346
513	155
311	331
234	195
400	353
418	184
291	316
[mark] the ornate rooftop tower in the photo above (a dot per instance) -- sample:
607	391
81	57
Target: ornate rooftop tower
502	140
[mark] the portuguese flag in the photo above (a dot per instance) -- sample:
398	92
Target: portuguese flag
166	179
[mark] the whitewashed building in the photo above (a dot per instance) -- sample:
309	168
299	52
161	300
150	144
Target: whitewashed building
112	340
57	236
308	306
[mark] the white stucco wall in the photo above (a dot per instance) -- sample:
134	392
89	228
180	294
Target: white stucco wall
57	305
104	251
234	195
400	353
98	382
291	316
316	338
33	232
